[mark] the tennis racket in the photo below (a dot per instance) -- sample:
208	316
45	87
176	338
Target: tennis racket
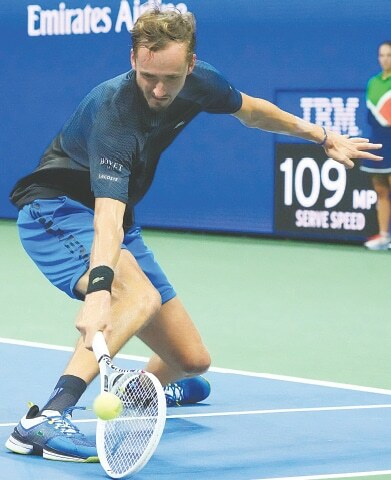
126	443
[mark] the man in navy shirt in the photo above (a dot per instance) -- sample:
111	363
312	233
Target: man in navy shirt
76	218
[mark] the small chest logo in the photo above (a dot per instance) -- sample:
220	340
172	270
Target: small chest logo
110	164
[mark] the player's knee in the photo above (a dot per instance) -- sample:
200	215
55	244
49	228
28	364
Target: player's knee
196	363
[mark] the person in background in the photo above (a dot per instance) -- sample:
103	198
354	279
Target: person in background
378	97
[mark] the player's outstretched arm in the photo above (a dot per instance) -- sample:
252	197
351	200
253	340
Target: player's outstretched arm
106	247
264	115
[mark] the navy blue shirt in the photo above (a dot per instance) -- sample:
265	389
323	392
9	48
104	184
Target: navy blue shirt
111	145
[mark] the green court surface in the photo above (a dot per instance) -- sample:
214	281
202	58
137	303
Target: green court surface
293	308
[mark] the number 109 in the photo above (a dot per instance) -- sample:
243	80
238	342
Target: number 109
320	177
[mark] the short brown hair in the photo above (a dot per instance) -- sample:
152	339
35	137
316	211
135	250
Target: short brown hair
155	28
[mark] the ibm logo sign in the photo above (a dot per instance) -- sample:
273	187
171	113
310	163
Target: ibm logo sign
333	113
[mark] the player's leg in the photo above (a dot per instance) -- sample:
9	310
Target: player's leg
180	351
56	245
381	184
58	234
180	354
171	334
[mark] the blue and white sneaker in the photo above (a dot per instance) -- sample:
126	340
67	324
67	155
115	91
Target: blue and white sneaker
183	392
187	391
51	435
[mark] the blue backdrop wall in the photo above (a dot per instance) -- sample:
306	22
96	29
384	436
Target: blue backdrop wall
218	175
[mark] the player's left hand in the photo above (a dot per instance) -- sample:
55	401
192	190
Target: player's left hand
344	149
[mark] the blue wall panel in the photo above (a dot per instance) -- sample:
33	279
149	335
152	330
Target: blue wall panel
218	175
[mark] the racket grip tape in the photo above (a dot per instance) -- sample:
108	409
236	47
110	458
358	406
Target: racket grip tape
99	346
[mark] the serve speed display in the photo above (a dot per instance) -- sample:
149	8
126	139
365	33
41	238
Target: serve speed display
317	197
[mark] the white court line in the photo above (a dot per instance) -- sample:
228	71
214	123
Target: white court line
270	376
60	348
282	410
254	412
331	476
307	381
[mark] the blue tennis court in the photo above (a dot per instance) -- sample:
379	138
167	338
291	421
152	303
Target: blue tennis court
254	426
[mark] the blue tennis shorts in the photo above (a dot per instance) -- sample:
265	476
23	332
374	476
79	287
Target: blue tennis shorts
57	234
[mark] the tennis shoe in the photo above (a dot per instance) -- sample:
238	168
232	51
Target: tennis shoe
131	391
187	391
51	435
184	392
378	242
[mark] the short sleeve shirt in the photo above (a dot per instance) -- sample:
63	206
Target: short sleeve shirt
115	140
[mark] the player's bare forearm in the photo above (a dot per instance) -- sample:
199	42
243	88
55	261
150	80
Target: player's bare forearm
264	115
108	235
108	232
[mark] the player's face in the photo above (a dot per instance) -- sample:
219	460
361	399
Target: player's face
161	75
385	57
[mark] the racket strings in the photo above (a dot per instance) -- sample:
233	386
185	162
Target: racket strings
127	437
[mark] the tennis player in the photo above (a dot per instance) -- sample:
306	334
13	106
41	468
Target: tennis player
76	218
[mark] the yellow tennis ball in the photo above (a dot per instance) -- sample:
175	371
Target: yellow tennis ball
107	406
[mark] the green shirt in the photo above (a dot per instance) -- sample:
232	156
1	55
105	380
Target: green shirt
378	97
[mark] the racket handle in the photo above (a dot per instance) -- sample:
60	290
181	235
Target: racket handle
99	346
